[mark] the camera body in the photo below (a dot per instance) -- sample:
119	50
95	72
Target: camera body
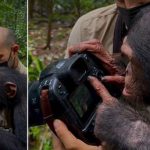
71	98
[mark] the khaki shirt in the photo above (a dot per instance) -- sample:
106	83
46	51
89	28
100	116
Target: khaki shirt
21	68
97	24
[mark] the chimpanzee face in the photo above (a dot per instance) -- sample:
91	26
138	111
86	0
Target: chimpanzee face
5	118
131	81
128	78
8	94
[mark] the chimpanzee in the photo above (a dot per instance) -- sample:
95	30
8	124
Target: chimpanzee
125	123
13	98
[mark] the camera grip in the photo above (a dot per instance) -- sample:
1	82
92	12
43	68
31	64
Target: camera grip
46	109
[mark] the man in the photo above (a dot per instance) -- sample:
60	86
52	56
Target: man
124	125
9	51
108	24
99	24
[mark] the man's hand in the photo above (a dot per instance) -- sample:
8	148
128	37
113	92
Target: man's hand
67	141
96	48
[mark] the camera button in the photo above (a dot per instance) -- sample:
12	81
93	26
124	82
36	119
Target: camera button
59	86
61	92
36	110
93	123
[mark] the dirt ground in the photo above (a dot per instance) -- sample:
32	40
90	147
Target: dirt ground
37	40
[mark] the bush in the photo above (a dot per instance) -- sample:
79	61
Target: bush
13	15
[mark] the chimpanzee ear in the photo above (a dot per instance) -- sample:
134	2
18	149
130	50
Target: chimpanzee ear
10	89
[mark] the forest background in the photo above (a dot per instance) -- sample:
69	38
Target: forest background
13	15
50	23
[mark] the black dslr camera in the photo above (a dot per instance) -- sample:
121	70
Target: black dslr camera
71	97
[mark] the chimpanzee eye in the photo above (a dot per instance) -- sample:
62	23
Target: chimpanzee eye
125	59
1	56
128	69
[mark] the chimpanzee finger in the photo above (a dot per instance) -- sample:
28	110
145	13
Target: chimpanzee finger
93	48
101	90
114	79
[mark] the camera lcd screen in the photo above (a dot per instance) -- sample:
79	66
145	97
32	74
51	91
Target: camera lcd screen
81	100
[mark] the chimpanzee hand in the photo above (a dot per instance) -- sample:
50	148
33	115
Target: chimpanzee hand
107	99
67	141
117	123
116	79
96	48
104	118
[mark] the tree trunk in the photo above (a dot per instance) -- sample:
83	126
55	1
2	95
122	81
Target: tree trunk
31	8
50	4
78	8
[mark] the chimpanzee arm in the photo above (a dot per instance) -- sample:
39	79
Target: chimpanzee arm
123	127
9	141
20	121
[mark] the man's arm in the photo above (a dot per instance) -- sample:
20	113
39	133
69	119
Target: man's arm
97	24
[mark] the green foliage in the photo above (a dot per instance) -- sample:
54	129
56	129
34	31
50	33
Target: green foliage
65	12
85	5
35	67
93	4
76	8
35	132
41	138
48	144
13	15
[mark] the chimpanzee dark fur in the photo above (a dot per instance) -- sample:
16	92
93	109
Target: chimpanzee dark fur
18	139
123	127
